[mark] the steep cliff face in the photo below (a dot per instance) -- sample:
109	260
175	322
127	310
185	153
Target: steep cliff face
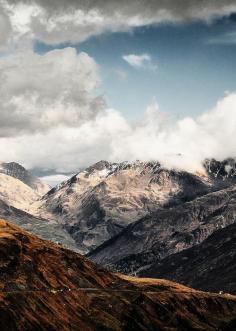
15	170
45	287
166	232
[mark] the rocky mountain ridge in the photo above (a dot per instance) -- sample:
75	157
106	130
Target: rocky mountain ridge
99	202
167	231
129	216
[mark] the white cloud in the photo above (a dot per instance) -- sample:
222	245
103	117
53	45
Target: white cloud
75	21
209	135
140	61
40	92
110	136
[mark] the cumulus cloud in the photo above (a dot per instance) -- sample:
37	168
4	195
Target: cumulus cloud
142	61
75	21
183	144
40	92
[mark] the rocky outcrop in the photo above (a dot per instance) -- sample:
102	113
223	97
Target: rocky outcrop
45	287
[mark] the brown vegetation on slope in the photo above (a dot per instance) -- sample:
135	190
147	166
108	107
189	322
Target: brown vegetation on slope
46	287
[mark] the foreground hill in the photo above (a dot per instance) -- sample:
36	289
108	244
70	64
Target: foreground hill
45	287
209	266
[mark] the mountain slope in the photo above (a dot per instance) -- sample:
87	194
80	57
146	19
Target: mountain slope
98	203
166	232
16	193
209	266
45	287
45	229
15	170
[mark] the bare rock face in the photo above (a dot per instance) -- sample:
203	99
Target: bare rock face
98	203
45	287
15	170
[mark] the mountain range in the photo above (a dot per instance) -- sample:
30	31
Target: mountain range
137	218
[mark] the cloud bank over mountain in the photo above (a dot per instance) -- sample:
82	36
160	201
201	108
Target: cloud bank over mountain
54	120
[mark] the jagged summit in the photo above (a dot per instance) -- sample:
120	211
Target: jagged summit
214	170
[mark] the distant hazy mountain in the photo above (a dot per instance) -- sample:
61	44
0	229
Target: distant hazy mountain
14	192
15	170
18	191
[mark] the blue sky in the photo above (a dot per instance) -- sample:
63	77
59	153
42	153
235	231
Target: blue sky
195	67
